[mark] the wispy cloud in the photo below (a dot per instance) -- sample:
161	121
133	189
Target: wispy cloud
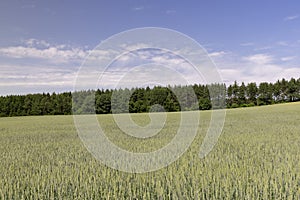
168	12
42	66
39	66
247	44
291	17
28	78
36	43
28	6
144	67
288	58
263	48
138	8
259	58
258	73
282	43
217	54
52	53
255	68
40	49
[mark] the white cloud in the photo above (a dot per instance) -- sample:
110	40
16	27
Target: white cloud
282	43
254	68
263	48
40	66
247	44
138	8
292	17
40	49
168	12
36	43
143	66
133	47
259	58
57	71
269	73
217	54
288	58
28	6
144	75
17	79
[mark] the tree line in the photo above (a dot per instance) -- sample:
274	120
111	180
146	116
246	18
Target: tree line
263	94
156	99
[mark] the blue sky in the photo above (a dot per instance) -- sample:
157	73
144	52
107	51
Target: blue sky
43	43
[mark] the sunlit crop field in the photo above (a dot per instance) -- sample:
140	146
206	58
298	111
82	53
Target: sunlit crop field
257	157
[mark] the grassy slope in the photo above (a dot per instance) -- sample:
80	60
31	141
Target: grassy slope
257	156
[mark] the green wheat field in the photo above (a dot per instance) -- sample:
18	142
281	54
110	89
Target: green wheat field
257	157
